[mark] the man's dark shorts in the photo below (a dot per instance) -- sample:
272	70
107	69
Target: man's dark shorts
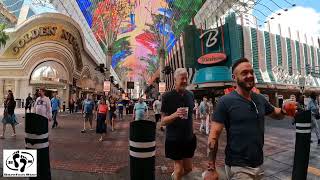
178	150
88	117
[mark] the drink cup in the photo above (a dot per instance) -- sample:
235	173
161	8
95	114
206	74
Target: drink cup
290	107
186	110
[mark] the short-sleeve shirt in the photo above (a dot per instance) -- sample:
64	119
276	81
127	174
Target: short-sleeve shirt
179	129
120	106
88	106
157	107
43	107
244	123
113	107
103	108
139	110
55	104
313	106
204	108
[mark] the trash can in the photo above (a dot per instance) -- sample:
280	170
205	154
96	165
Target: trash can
37	137
18	103
142	150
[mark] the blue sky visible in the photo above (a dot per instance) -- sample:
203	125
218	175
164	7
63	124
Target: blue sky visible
39	9
304	17
315	4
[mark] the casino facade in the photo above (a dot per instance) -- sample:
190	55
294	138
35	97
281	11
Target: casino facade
49	50
280	62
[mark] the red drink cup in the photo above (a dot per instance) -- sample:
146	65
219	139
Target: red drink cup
290	107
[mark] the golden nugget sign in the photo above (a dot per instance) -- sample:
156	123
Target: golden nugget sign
34	34
47	31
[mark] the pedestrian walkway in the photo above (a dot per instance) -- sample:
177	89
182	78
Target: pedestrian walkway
80	156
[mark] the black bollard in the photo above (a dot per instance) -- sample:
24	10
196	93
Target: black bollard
302	147
37	137
142	150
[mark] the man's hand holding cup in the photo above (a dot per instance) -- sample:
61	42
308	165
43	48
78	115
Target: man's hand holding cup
183	112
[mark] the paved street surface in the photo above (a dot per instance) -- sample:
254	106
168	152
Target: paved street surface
80	156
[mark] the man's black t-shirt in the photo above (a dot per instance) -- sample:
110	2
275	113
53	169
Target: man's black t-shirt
244	123
179	129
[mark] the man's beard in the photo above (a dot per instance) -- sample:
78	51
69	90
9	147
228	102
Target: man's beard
243	85
183	86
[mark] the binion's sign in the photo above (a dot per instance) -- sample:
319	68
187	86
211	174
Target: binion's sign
212	37
212	58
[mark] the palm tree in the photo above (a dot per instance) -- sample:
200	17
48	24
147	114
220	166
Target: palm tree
3	36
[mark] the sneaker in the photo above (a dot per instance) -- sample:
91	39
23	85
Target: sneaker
91	129
13	135
1	137
83	131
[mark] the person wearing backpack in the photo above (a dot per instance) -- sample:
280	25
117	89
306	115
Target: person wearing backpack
314	107
204	113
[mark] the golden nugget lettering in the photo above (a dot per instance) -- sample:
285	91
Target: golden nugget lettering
34	34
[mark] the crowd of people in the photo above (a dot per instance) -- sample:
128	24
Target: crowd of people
241	113
106	110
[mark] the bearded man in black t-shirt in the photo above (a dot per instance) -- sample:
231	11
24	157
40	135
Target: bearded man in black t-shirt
242	114
176	111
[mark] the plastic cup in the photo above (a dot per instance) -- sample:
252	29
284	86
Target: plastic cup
186	110
290	107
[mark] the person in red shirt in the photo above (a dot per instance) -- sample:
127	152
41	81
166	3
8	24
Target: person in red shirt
102	112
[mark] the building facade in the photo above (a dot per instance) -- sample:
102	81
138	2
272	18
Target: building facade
280	63
48	50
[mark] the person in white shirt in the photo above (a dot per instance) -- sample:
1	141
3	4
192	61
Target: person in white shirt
196	109
204	113
157	110
42	106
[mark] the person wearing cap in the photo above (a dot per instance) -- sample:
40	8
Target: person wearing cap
42	106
